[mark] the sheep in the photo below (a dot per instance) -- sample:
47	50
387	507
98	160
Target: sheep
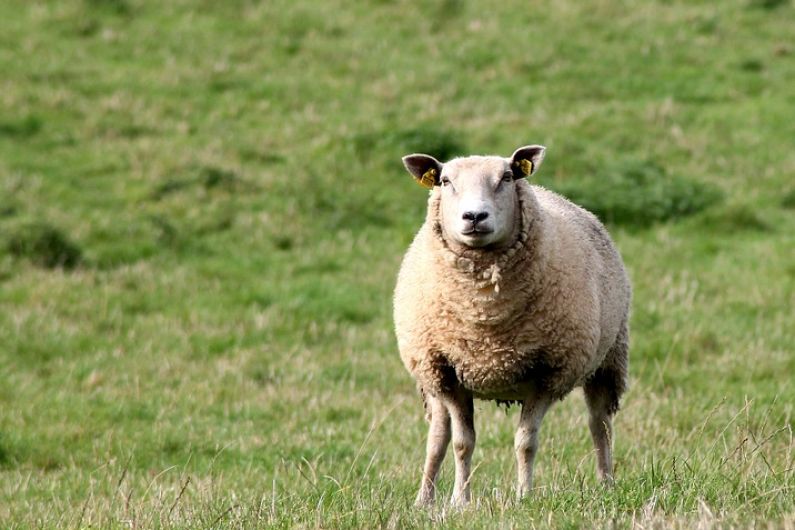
508	293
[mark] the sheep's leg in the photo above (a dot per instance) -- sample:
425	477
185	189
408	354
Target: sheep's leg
602	394
438	439
600	424
526	440
462	414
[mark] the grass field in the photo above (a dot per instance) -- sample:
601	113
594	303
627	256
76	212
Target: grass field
202	213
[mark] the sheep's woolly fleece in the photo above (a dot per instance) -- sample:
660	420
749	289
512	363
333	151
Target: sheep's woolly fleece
543	312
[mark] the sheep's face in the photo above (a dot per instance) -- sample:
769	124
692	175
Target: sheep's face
478	201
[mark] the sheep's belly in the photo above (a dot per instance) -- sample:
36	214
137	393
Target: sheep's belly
518	392
509	375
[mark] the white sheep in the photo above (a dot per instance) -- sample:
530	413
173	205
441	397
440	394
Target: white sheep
509	292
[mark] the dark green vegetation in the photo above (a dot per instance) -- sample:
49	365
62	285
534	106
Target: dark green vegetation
202	210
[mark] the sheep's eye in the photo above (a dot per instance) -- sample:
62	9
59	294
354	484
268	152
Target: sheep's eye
445	181
507	176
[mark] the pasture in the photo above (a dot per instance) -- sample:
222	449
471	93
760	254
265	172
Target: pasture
203	210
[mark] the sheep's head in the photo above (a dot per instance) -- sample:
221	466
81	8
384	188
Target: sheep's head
478	199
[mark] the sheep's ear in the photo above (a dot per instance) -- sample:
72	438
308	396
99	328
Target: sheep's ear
525	160
425	169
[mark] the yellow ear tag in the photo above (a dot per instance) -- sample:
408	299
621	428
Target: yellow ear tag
526	166
428	179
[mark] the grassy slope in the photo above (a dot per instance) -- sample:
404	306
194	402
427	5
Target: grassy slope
231	174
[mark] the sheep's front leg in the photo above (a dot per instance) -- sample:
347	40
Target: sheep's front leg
526	440
438	439
462	414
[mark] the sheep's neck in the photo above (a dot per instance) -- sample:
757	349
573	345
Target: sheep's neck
488	272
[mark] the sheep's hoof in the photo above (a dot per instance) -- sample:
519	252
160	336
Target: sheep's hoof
459	502
424	500
523	492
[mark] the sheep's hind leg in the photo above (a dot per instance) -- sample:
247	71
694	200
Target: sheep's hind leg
438	439
462	414
600	424
602	394
526	440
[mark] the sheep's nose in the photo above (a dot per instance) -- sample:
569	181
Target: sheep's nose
475	217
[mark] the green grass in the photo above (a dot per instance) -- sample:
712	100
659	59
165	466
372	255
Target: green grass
202	211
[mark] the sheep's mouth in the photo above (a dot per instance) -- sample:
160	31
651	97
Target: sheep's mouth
475	231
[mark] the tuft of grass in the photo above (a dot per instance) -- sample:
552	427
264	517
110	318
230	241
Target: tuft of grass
44	245
752	65
788	199
213	177
8	208
439	143
168	186
207	177
768	4
118	7
735	219
22	128
283	243
638	193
